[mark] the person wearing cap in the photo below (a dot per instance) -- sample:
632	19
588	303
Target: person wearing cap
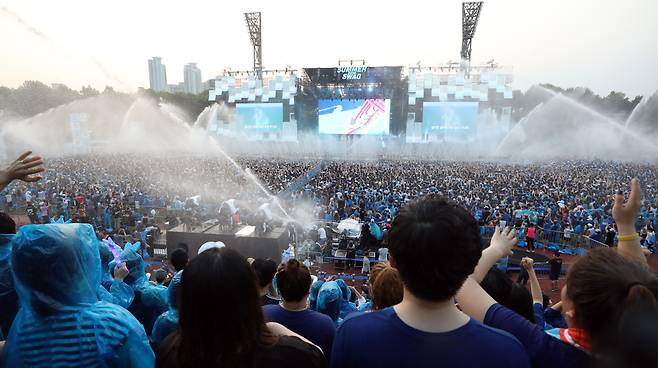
210	245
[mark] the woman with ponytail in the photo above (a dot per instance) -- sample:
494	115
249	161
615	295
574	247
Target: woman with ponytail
609	302
609	297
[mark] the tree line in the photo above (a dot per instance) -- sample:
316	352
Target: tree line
615	105
34	97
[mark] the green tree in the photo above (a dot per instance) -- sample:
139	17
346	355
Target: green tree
31	98
191	104
88	91
615	105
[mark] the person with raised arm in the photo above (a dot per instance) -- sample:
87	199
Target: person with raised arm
434	244
23	168
535	289
607	295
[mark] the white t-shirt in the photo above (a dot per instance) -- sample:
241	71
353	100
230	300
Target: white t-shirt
322	233
383	254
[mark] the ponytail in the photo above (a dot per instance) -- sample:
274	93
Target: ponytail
639	297
608	292
635	340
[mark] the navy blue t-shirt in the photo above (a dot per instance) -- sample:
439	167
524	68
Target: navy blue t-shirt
543	349
315	326
381	339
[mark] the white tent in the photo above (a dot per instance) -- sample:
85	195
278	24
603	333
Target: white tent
352	226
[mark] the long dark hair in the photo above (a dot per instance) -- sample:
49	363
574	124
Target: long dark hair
508	293
608	292
221	320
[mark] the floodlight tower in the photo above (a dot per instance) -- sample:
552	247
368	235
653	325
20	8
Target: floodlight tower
470	15
253	25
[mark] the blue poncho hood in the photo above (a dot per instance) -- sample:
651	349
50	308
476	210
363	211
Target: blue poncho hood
329	299
67	254
313	295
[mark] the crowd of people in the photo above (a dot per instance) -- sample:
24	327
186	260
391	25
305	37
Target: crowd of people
556	202
72	295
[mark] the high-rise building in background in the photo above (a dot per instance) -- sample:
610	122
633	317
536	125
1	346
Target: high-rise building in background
192	78
157	75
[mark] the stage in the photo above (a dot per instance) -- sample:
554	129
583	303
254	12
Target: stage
240	238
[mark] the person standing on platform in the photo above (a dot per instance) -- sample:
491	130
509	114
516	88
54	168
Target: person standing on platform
610	235
556	269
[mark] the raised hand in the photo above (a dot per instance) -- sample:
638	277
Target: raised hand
527	263
23	169
503	241
624	213
120	272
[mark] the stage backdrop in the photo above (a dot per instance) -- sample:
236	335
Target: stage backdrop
451	120
260	117
371	116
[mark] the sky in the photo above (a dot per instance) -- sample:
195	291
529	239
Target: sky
604	45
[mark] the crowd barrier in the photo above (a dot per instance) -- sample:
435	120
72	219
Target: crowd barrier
553	241
549	240
351	259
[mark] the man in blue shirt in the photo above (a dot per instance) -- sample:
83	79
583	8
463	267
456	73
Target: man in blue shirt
294	282
435	245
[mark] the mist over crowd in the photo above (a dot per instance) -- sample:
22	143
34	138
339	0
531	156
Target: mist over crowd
344	215
547	121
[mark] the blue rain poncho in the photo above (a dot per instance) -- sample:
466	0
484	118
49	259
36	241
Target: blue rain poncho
61	322
168	321
375	230
111	290
313	294
329	299
345	306
150	300
8	296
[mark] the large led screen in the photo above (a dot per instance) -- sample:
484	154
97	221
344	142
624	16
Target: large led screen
450	119
371	116
260	117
